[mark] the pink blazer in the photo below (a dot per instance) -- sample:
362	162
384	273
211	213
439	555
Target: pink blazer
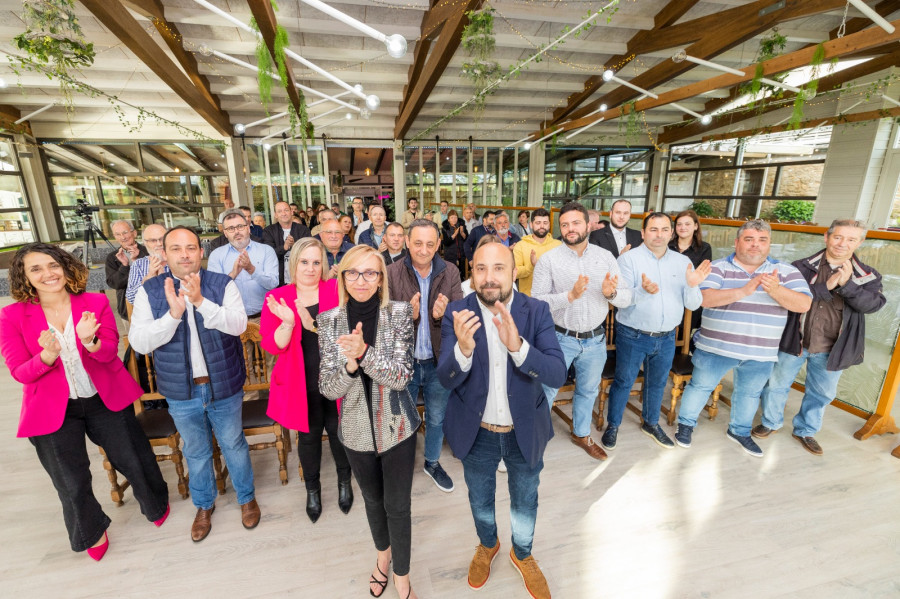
46	391
287	391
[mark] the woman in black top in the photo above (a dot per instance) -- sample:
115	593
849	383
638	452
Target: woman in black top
688	241
453	235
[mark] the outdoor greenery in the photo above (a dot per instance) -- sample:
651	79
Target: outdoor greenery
793	210
702	208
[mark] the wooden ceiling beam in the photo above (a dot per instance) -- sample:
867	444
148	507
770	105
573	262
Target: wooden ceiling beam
8	117
857	117
847	45
119	21
670	13
828	83
707	37
268	25
423	78
857	24
380	160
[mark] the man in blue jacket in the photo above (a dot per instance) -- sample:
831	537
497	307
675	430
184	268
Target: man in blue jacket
497	347
828	338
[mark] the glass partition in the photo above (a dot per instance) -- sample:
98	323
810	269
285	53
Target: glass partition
15	211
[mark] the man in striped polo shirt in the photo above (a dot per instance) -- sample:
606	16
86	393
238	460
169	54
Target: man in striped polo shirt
746	300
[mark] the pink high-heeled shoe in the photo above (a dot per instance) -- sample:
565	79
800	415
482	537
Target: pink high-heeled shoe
99	551
159	522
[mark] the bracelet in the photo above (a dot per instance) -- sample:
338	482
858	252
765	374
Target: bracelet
286	327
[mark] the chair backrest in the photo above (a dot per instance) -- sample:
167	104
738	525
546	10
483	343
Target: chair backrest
255	359
683	341
611	329
133	369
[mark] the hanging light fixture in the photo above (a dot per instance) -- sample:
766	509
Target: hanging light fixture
681	56
395	44
609	75
585	128
874	16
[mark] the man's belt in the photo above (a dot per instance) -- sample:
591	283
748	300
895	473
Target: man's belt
201	380
496	428
257	315
648	333
599	331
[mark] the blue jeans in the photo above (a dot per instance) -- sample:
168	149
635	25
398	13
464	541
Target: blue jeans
589	356
480	471
196	418
634	348
750	377
821	388
425	377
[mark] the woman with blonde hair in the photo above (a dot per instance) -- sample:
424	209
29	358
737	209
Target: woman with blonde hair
367	346
294	398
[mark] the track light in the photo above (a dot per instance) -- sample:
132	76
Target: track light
681	56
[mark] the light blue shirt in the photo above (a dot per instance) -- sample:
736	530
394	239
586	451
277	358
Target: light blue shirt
253	287
423	350
662	311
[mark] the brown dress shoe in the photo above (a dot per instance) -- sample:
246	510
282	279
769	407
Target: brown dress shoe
761	431
250	514
480	568
810	445
587	444
202	524
534	580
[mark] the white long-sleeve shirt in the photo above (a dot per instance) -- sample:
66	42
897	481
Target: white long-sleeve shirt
146	333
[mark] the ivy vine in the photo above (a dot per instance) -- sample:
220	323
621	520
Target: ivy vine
478	40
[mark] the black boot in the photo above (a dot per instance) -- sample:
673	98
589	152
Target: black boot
345	495
314	503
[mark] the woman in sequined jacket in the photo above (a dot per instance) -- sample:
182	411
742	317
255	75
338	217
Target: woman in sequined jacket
367	347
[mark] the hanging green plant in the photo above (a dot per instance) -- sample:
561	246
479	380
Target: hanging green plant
769	47
808	92
478	40
630	126
53	38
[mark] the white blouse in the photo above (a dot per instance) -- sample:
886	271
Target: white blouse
80	384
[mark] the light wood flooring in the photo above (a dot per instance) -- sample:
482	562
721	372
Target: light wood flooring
707	522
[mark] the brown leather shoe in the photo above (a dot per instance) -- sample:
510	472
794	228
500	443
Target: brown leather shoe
810	445
534	580
587	444
250	514
761	431
202	524
480	568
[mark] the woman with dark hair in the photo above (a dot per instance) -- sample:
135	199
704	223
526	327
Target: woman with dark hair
288	330
62	345
688	238
347	227
367	351
453	235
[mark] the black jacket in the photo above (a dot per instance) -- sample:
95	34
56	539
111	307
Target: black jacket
604	238
696	256
117	278
453	248
862	295
387	256
274	238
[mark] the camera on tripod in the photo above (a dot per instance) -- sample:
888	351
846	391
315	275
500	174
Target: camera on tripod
82	208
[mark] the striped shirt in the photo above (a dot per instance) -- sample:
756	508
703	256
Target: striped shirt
750	328
557	271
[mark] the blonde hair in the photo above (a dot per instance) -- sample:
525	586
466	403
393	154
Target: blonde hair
352	258
299	247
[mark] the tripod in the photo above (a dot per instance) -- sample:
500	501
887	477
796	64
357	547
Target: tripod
89	230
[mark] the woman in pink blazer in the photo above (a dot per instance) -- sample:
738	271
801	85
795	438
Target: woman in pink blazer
62	345
294	398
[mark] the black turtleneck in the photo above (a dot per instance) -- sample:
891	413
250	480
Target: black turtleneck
367	313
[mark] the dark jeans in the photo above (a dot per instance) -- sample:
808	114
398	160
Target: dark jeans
386	484
309	449
480	470
63	455
633	349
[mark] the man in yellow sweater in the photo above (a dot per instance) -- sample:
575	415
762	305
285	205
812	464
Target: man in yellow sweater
532	247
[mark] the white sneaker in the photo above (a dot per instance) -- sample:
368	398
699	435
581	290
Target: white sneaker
501	467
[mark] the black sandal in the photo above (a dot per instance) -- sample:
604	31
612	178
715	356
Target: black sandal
381	583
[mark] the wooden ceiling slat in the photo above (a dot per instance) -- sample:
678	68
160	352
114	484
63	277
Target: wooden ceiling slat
8	117
119	21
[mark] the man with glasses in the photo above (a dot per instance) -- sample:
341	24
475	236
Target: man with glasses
118	264
151	265
281	235
336	246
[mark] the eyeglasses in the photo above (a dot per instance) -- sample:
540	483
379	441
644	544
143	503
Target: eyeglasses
369	276
235	228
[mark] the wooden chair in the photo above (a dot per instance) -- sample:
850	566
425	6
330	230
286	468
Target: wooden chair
255	420
609	374
682	370
159	428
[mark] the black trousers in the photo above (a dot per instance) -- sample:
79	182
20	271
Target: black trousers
323	415
386	484
63	454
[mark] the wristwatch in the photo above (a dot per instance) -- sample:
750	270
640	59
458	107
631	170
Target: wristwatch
92	343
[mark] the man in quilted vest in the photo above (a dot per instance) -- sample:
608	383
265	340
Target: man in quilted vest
192	320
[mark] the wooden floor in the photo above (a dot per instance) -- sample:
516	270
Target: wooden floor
705	522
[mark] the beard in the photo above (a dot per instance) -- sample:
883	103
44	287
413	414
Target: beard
540	233
490	293
581	237
503	232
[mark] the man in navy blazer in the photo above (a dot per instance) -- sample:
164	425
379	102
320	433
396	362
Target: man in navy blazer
617	238
497	347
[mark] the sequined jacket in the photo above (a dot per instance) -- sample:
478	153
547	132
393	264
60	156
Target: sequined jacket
389	363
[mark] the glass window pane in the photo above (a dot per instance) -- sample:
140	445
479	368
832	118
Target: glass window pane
680	184
7	156
800	180
11	195
15	228
70	189
182	157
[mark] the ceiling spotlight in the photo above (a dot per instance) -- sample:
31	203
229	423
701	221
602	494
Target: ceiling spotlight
527	145
705	119
205	50
365	114
358	87
267	147
3	83
373	102
603	108
368	172
239	129
396	45
348	116
679	56
608	74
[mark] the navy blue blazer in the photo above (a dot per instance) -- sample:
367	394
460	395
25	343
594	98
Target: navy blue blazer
527	402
